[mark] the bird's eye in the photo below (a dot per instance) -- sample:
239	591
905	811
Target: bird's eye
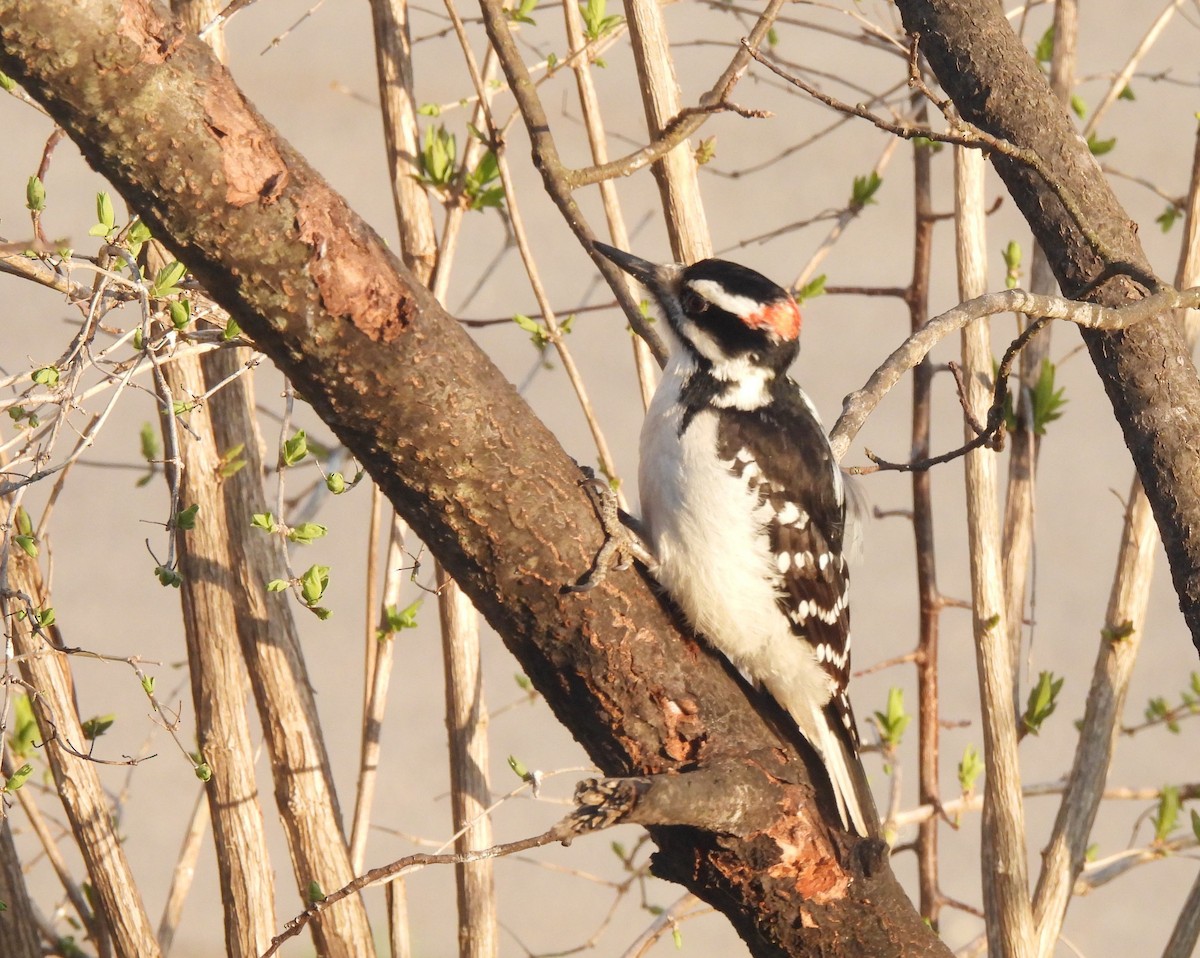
694	303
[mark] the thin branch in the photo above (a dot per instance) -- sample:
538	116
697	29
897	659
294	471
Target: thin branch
406	866
959	133
859	405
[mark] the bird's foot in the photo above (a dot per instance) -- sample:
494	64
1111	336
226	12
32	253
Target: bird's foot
623	542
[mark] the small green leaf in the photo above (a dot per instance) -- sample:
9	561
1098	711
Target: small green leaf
180	312
864	190
185	519
167	280
1157	709
1100	147
521	12
46	617
335	482
677	936
523	682
7	83
24	727
46	376
202	771
1078	107
1012	263
706	150
17	778
35	195
264	521
894	720
181	406
96	726
969	769
307	533
137	236
477	185
551	62
232	462
1118	633
1126	93
277	585
395	621
518	767
295	449
538	334
438	156
812	289
105	215
429	109
1043	700
1166	816
314	893
27	545
619	850
1047	401
148	439
148	684
1166	219
925	143
313	584
24	522
231	331
319	612
1044	51
168	577
595	21
1195	824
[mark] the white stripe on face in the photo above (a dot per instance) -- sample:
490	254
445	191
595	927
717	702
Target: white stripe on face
720	297
780	317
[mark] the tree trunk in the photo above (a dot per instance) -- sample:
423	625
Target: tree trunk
1147	370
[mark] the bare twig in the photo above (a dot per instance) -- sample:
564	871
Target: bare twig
861	403
408	865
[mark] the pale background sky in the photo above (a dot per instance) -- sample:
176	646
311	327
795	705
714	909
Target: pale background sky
318	88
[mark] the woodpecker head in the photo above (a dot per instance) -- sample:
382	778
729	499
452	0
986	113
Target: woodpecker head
722	313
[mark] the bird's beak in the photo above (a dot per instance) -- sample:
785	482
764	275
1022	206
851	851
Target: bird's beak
648	274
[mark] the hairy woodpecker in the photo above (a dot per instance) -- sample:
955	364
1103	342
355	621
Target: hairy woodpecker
743	504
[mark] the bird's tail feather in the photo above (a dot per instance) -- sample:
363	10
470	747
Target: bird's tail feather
855	804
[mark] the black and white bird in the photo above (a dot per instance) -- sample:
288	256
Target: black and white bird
743	503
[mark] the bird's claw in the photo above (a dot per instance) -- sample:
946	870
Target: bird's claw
621	544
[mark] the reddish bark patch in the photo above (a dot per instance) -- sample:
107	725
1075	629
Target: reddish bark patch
684	732
254	170
140	23
352	272
805	859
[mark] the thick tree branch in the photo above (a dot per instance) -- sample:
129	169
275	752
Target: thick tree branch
1147	371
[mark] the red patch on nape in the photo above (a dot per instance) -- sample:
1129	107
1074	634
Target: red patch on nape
781	317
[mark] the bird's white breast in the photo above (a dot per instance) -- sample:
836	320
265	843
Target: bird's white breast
706	527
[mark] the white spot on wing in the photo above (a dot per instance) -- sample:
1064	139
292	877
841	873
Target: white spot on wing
789	513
